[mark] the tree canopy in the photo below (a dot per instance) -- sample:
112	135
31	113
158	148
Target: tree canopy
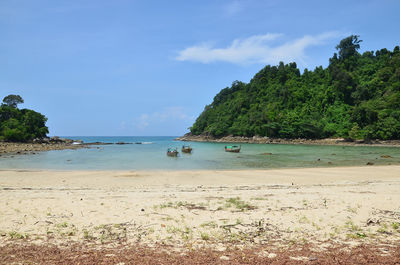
12	100
356	96
348	46
20	125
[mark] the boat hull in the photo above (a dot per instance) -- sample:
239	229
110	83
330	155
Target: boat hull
233	149
186	150
174	154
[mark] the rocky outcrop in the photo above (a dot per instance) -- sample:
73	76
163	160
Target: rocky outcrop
268	140
43	144
123	143
31	148
46	144
54	140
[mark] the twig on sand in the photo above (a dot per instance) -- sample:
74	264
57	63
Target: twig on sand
160	213
45	221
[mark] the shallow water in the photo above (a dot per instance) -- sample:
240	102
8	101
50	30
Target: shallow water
152	155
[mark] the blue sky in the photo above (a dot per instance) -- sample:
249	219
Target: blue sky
149	67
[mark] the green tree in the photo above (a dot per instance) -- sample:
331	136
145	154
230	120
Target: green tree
348	46
20	125
12	100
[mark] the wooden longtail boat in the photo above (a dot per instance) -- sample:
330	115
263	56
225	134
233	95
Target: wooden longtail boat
172	152
187	149
232	148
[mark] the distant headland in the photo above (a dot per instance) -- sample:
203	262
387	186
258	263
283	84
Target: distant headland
24	131
356	97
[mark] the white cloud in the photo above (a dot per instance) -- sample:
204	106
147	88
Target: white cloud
167	115
256	49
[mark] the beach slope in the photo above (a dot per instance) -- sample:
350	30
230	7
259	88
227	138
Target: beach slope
266	210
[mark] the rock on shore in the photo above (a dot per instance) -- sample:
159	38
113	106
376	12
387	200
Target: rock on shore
46	144
268	140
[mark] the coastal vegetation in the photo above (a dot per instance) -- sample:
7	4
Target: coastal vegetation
20	125
356	96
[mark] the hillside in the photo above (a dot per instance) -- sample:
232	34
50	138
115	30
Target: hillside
357	96
20	125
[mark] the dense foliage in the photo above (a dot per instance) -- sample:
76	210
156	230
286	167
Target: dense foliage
20	125
356	96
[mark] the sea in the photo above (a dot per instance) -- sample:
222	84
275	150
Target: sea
150	154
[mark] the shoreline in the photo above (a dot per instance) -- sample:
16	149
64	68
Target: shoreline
56	143
188	171
267	140
16	148
228	177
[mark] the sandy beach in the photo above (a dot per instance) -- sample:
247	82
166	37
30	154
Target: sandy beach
187	210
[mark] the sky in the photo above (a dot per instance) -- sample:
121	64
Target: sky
148	68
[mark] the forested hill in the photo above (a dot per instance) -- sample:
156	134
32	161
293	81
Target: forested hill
357	96
20	125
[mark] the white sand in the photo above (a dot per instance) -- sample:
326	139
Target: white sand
192	208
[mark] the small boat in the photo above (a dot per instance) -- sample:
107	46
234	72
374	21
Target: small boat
187	149
172	152
232	148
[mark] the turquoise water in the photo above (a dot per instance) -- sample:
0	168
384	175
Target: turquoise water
152	155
